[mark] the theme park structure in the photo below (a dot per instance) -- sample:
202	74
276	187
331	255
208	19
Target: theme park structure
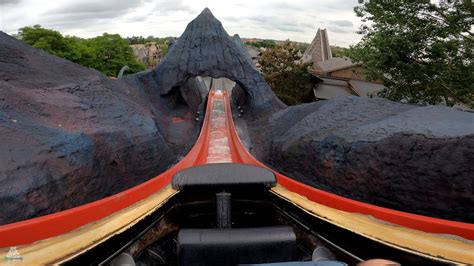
220	205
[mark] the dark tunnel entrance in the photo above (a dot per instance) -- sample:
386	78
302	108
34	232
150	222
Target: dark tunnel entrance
192	94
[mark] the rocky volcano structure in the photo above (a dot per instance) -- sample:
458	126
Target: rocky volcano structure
70	135
418	159
205	49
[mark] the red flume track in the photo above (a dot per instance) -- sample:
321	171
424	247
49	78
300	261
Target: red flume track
208	149
419	222
32	230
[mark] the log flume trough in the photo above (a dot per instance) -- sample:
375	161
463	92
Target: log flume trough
74	233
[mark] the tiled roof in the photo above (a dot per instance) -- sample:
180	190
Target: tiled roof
328	91
333	64
330	87
365	88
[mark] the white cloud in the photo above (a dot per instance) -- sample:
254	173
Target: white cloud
296	20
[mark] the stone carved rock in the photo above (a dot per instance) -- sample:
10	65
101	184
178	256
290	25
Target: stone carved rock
70	135
205	49
418	159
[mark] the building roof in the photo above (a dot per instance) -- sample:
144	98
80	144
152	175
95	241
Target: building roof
333	64
328	91
335	81
330	87
365	88
319	50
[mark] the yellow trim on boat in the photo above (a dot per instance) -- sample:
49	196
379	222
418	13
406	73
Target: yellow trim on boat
64	247
440	247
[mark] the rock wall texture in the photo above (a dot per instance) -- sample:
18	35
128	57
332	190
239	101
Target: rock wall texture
418	159
205	49
70	135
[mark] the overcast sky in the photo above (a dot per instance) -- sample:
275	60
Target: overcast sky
293	19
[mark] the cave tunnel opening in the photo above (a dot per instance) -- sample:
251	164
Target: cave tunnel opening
239	96
192	93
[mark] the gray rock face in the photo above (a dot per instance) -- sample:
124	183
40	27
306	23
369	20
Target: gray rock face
411	158
243	50
205	49
70	135
395	155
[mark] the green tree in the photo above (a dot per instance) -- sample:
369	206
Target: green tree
142	40
136	40
289	79
112	52
165	48
107	53
83	54
337	51
49	40
263	44
422	50
303	47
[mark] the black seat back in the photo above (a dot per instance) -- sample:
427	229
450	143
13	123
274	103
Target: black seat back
223	175
234	246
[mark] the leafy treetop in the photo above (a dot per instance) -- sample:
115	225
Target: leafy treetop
107	53
263	44
422	50
288	78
